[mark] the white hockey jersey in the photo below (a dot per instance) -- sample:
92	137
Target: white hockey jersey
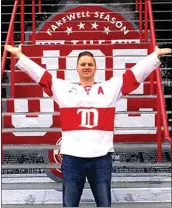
87	119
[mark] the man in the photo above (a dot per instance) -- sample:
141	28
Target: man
88	135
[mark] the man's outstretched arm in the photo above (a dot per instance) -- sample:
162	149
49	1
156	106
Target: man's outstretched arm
162	51
16	51
134	77
36	72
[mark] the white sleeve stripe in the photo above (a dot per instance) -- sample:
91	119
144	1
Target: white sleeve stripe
31	68
145	67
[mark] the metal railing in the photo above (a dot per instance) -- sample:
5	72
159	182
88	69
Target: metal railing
9	35
161	111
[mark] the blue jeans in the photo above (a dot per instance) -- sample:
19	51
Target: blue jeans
98	172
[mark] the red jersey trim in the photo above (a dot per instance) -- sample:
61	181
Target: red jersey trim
46	83
87	119
129	82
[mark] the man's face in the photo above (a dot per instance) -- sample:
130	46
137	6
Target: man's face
86	67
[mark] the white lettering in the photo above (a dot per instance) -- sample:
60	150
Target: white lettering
86	117
71	16
21	121
51	60
78	14
107	17
113	20
54	27
74	41
49	32
96	14
59	23
87	14
57	42
120	58
101	15
83	14
64	19
101	41
119	24
126	31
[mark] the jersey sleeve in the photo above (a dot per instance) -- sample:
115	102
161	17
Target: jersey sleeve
136	75
39	74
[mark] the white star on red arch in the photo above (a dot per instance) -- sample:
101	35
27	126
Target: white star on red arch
69	30
81	26
106	30
94	25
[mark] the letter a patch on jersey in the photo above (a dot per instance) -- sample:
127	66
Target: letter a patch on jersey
100	90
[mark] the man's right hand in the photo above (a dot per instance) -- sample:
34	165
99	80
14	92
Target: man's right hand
16	51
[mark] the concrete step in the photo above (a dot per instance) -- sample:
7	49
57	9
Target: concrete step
19	182
141	103
118	147
28	91
120	196
116	205
134	162
54	129
130	187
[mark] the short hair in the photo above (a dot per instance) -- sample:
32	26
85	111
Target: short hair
86	53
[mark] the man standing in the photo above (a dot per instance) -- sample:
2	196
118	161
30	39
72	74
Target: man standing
87	140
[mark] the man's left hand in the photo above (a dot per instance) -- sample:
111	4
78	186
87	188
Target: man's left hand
162	51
